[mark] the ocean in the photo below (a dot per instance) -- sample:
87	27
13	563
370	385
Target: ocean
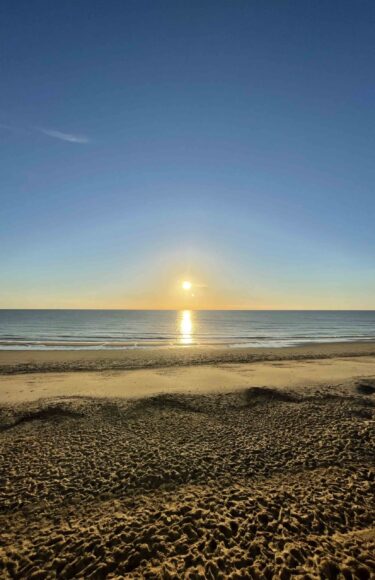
101	329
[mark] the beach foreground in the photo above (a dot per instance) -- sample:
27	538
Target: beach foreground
256	482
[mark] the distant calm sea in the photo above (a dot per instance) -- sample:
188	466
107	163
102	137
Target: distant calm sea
100	329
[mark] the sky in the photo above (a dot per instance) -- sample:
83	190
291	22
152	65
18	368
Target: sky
228	143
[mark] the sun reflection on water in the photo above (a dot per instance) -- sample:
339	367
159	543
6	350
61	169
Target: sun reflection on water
186	327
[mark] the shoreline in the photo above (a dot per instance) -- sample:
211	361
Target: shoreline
56	361
87	345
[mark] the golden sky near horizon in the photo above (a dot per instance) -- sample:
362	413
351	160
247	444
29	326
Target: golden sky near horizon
199	296
219	281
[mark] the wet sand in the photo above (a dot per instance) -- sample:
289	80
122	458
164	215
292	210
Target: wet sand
16	362
269	475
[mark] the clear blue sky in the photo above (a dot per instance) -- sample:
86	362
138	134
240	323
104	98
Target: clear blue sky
231	142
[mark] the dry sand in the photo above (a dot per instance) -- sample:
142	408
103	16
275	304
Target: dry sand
270	475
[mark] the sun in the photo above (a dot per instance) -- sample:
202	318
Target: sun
186	285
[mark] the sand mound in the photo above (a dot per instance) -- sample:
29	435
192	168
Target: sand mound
166	401
366	387
154	489
263	395
11	418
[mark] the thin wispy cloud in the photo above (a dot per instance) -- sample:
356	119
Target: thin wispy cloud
64	136
68	137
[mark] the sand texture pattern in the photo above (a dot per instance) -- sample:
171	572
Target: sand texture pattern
258	483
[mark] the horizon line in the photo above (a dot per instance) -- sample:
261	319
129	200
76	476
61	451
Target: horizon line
203	309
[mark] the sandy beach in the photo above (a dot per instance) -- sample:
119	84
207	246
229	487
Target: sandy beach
187	291
188	463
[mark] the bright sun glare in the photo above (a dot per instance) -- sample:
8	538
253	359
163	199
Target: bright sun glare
186	285
186	327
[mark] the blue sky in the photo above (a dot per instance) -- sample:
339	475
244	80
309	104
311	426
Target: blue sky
231	142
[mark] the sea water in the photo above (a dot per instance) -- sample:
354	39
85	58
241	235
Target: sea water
101	329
